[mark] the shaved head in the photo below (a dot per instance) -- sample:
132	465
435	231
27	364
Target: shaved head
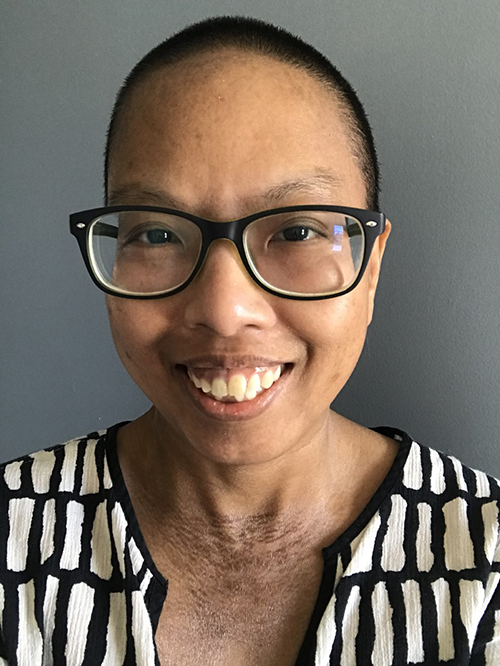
215	40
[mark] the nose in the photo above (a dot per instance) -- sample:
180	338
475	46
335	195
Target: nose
223	297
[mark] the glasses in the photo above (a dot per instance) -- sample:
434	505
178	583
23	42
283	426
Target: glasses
297	252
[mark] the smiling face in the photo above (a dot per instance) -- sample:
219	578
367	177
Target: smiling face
224	136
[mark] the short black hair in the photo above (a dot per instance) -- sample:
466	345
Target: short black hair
256	36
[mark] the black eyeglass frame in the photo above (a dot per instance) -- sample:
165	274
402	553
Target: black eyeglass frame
372	223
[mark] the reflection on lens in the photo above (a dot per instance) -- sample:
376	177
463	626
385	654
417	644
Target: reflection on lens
142	252
306	252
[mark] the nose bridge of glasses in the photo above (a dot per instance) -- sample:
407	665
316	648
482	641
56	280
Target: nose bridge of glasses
228	247
227	234
222	230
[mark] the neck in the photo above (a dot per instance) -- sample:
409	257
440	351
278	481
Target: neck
180	484
308	496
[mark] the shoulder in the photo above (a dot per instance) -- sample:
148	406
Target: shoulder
427	469
46	500
460	504
443	475
76	466
443	503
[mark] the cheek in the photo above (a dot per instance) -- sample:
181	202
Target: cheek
334	332
136	329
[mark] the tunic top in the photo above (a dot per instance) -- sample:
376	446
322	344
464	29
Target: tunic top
414	580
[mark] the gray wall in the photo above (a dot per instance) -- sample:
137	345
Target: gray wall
428	73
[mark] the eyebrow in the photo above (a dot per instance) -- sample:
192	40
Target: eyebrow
320	183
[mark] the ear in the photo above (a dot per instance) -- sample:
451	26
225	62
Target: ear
374	265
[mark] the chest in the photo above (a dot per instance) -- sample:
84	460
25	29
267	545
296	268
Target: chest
243	615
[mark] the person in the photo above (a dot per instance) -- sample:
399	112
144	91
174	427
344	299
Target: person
241	521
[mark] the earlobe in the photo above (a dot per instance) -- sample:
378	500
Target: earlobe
374	267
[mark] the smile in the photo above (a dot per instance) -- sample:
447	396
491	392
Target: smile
241	385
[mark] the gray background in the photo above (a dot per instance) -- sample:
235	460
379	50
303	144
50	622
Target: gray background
428	73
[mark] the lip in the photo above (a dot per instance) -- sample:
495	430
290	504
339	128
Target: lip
230	361
234	411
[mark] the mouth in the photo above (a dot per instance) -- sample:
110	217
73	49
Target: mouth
235	393
237	385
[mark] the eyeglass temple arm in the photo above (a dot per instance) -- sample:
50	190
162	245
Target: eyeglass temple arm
103	229
352	229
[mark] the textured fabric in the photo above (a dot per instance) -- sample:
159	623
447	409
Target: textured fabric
414	580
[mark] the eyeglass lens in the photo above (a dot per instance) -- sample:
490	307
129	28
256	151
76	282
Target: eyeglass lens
298	253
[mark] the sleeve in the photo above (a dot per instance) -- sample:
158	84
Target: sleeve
486	648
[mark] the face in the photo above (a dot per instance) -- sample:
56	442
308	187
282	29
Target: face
223	137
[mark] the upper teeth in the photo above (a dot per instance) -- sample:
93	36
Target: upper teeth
238	386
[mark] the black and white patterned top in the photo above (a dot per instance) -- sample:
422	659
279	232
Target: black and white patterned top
414	580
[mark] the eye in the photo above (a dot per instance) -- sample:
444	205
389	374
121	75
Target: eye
158	237
300	232
152	236
297	233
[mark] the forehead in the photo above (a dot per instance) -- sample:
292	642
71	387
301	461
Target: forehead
229	125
